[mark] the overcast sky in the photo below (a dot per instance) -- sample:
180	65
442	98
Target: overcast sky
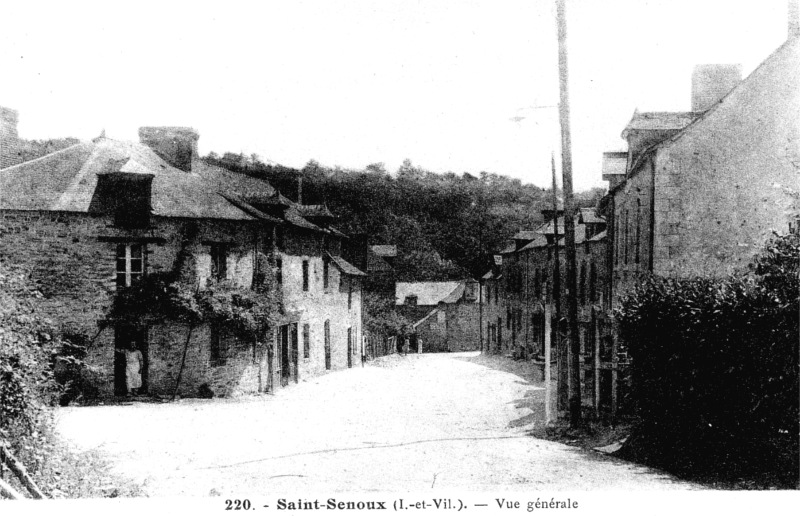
447	84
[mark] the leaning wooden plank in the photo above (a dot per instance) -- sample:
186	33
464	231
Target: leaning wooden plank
6	491
18	469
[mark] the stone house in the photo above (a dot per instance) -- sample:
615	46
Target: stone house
91	220
521	291
699	192
446	314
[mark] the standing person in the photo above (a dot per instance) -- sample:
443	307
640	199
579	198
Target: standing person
419	345
405	345
133	370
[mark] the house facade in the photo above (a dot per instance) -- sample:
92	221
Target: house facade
446	314
94	219
701	191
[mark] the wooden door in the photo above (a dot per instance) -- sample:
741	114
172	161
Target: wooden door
349	347
327	344
284	355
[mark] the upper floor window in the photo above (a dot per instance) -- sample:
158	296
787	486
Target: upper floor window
349	294
411	300
305	275
130	264
326	269
279	271
638	230
582	284
219	262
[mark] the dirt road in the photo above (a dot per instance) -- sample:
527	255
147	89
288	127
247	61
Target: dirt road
451	421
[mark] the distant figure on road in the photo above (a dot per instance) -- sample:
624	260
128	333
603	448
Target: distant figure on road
133	370
419	345
405	345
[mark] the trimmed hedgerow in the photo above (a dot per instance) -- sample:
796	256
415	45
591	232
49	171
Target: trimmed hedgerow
715	369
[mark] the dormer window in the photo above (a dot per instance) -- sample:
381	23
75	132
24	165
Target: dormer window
411	300
124	195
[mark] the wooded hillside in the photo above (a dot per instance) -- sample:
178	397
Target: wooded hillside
446	226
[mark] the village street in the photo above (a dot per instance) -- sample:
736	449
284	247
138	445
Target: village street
447	421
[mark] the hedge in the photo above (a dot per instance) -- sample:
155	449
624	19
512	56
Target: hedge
715	369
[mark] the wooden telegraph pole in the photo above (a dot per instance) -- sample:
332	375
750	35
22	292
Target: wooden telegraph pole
562	364
569	223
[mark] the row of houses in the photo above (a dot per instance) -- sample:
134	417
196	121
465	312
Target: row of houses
89	221
694	193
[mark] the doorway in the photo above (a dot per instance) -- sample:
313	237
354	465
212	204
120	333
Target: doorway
128	339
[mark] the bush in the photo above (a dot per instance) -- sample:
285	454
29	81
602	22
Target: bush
715	369
30	354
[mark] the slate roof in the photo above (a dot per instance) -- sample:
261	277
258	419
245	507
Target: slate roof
598	237
388	251
375	263
428	293
659	121
590	216
66	181
345	266
315	210
455	295
525	235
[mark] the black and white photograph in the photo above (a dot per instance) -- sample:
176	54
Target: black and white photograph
501	256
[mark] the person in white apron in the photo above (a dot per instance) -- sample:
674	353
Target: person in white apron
133	370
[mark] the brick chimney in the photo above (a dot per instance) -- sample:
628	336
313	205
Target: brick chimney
9	138
711	82
175	145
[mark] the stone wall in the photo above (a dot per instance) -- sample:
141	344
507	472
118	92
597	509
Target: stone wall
731	179
70	258
319	304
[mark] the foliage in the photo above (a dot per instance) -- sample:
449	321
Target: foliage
31	356
177	296
445	225
715	367
380	316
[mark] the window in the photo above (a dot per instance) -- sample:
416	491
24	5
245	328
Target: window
489	292
593	282
306	341
627	234
219	350
582	284
279	271
305	275
411	300
349	293
325	271
219	262
638	229
130	264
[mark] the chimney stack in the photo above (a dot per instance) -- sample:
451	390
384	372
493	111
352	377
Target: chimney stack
175	145
794	19
711	82
9	139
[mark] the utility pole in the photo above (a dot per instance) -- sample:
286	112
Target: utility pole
562	363
569	223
